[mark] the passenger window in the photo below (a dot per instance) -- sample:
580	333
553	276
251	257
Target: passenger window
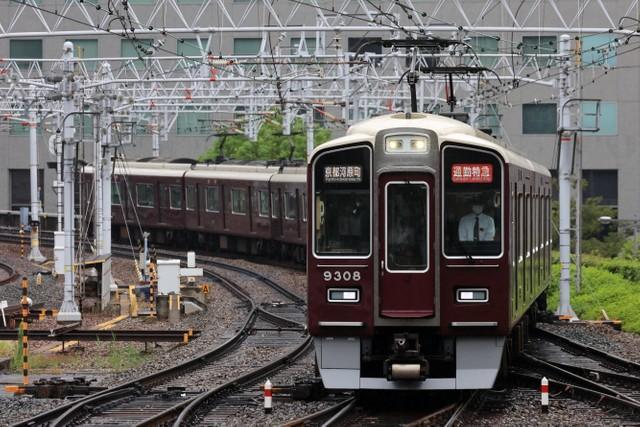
290	208
407	219
175	197
263	203
164	196
275	205
213	200
192	198
238	201
116	193
144	194
472	207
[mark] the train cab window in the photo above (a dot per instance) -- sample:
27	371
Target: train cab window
175	197
192	198
144	196
342	202
275	205
472	207
213	199
290	205
263	203
238	201
407	219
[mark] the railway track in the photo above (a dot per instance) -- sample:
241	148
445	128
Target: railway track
358	411
140	401
7	273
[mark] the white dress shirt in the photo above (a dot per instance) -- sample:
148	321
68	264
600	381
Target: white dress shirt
486	231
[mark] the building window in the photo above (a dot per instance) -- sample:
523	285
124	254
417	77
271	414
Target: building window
598	50
541	46
275	205
191	122
309	47
139	48
248	46
608	120
263	203
213	200
192	198
25	49
145	198
190	47
601	183
484	45
20	185
175	197
238	201
539	119
290	205
86	48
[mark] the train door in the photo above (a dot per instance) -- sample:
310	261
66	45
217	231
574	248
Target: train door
406	227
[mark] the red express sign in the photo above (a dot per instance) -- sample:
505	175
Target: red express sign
464	173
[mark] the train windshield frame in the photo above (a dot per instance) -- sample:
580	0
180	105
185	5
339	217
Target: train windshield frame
342	203
472	203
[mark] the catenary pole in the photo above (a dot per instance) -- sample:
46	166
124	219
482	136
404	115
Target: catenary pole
69	311
35	255
107	166
564	176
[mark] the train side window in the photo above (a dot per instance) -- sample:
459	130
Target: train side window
164	196
275	205
341	211
472	208
304	207
192	198
144	195
263	203
175	197
213	199
116	193
238	201
290	205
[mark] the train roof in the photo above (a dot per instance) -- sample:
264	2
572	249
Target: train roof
445	128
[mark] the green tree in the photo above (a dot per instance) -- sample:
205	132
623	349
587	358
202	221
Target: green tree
271	144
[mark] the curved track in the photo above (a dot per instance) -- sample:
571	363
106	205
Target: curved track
121	405
7	274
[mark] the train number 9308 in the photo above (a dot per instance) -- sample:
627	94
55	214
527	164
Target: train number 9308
339	276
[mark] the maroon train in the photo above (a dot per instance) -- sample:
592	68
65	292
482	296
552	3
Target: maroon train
248	208
429	252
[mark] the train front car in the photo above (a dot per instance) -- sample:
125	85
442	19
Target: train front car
409	277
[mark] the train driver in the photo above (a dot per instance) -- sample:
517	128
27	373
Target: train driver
476	226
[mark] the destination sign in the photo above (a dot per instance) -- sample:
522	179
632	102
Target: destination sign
472	173
343	174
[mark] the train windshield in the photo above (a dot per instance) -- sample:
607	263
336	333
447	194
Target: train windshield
472	208
342	203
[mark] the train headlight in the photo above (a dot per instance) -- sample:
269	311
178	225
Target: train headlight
343	295
406	144
472	295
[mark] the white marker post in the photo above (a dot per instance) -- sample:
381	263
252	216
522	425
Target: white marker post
544	394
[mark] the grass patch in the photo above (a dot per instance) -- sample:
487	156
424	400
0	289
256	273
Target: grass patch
7	348
602	289
121	358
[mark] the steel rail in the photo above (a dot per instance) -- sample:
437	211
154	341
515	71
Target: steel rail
104	335
11	273
316	417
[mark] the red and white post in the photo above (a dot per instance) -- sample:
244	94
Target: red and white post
544	394
268	393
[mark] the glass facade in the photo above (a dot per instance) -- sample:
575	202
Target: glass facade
539	118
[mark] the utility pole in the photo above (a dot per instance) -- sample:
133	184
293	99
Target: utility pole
155	135
35	255
58	185
309	124
564	176
97	184
69	311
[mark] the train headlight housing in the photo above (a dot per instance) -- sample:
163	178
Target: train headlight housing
472	295
343	295
406	144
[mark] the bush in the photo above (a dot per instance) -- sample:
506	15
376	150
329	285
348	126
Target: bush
626	268
602	289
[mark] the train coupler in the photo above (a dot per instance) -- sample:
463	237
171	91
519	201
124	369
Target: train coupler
406	362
